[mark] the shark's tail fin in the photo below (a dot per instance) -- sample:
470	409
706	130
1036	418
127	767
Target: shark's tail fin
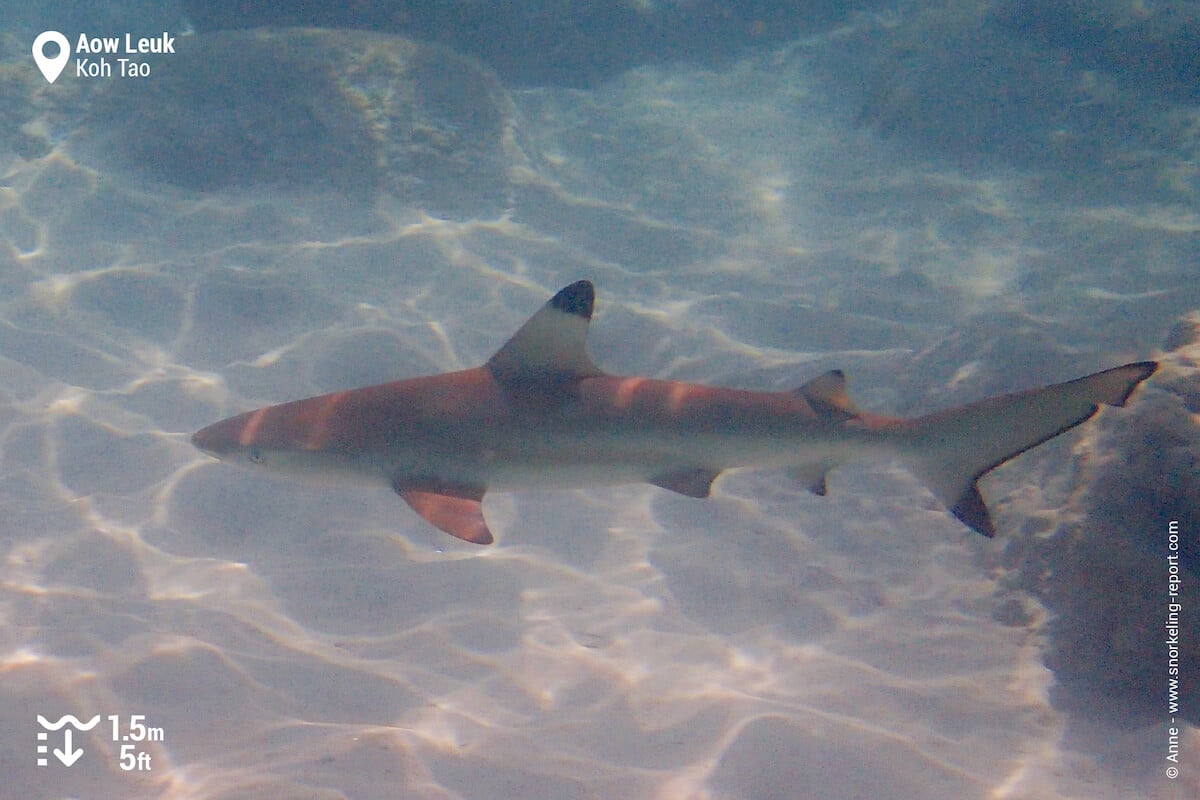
950	450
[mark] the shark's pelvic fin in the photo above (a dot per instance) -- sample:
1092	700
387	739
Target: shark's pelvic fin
960	445
688	482
553	342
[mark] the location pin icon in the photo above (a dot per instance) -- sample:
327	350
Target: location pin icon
51	67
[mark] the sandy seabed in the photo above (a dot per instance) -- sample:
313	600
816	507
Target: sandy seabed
615	643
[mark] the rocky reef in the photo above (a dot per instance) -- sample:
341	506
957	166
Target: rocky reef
1101	567
313	110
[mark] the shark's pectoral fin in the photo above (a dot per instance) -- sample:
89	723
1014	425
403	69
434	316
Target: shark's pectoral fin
688	482
455	509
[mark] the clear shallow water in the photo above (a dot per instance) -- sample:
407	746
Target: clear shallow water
742	230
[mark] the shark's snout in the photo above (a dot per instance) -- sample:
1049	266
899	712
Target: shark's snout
201	442
218	439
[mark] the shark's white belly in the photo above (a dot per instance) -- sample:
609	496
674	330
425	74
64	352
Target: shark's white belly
580	459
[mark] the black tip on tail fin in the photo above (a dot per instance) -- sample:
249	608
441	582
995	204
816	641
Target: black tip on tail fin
973	512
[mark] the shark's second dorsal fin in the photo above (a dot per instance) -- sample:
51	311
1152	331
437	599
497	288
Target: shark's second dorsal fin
826	395
553	342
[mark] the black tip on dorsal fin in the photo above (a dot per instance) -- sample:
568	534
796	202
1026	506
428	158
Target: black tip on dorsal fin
577	299
553	342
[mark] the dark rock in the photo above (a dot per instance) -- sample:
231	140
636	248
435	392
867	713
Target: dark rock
1151	46
551	42
1102	572
311	111
1093	88
1183	333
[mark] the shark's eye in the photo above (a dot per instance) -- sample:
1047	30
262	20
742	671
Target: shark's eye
255	455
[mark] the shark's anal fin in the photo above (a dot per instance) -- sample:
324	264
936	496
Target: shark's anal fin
826	395
812	476
688	482
455	509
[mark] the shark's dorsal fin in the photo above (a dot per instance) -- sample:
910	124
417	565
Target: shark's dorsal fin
553	342
826	395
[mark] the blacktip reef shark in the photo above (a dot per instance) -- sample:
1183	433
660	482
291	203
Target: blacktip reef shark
541	414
